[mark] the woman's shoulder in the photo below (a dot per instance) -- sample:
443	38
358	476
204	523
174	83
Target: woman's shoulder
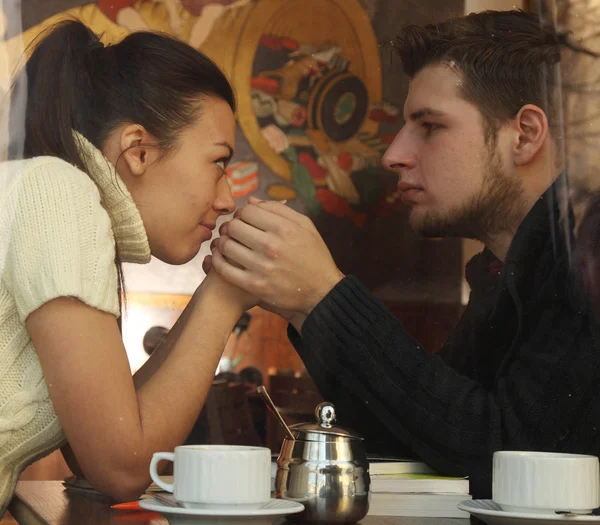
44	166
42	172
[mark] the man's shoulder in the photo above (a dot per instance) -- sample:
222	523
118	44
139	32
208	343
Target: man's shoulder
559	302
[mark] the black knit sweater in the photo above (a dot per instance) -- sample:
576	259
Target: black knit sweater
521	370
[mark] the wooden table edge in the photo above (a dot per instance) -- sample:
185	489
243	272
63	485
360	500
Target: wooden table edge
22	512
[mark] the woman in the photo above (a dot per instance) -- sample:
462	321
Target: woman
161	113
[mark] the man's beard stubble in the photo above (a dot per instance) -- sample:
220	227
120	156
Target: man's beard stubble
497	207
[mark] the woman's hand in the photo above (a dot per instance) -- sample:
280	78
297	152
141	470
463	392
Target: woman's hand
217	284
277	255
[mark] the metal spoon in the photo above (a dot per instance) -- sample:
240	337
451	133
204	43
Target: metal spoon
271	406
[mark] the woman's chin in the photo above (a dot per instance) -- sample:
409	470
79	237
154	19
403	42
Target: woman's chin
178	258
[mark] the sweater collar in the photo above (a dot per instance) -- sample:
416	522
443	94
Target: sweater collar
545	227
130	234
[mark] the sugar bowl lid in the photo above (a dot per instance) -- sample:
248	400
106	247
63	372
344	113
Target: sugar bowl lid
324	428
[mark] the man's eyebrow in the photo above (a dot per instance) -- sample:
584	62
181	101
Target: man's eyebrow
226	145
425	112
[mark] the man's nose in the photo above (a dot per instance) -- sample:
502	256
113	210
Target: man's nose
400	154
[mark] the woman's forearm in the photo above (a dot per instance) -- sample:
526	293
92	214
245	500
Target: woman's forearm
161	352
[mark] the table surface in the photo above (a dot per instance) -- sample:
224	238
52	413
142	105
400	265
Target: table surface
48	503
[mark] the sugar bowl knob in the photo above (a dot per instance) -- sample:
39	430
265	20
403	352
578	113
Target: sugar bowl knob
325	414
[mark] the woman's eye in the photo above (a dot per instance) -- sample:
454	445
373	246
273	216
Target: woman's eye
222	163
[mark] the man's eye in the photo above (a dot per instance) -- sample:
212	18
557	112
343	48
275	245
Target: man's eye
429	127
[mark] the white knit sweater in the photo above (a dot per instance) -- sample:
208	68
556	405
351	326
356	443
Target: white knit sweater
57	238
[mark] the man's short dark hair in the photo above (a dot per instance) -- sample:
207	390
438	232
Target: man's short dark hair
506	59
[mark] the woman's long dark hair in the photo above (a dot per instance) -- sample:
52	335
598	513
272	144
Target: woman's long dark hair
73	82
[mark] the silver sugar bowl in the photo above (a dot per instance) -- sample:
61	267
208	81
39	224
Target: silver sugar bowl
325	468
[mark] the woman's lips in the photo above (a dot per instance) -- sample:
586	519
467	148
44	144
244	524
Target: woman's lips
208	230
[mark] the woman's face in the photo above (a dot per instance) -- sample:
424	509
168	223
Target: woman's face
181	193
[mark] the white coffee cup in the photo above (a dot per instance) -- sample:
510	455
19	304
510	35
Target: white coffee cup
545	482
217	475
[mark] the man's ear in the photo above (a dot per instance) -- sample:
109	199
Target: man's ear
138	147
531	126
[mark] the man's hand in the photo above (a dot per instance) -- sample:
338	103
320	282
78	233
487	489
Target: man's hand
294	318
277	255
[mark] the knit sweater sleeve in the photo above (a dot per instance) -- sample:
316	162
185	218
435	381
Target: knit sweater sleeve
59	239
361	357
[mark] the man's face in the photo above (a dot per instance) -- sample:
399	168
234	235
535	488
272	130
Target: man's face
455	184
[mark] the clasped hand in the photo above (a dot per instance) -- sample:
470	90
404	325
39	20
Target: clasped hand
275	254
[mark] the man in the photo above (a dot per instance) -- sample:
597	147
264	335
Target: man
477	158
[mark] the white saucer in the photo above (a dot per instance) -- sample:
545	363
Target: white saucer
490	512
265	512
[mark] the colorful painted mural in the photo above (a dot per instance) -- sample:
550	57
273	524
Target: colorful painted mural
307	75
317	115
318	102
